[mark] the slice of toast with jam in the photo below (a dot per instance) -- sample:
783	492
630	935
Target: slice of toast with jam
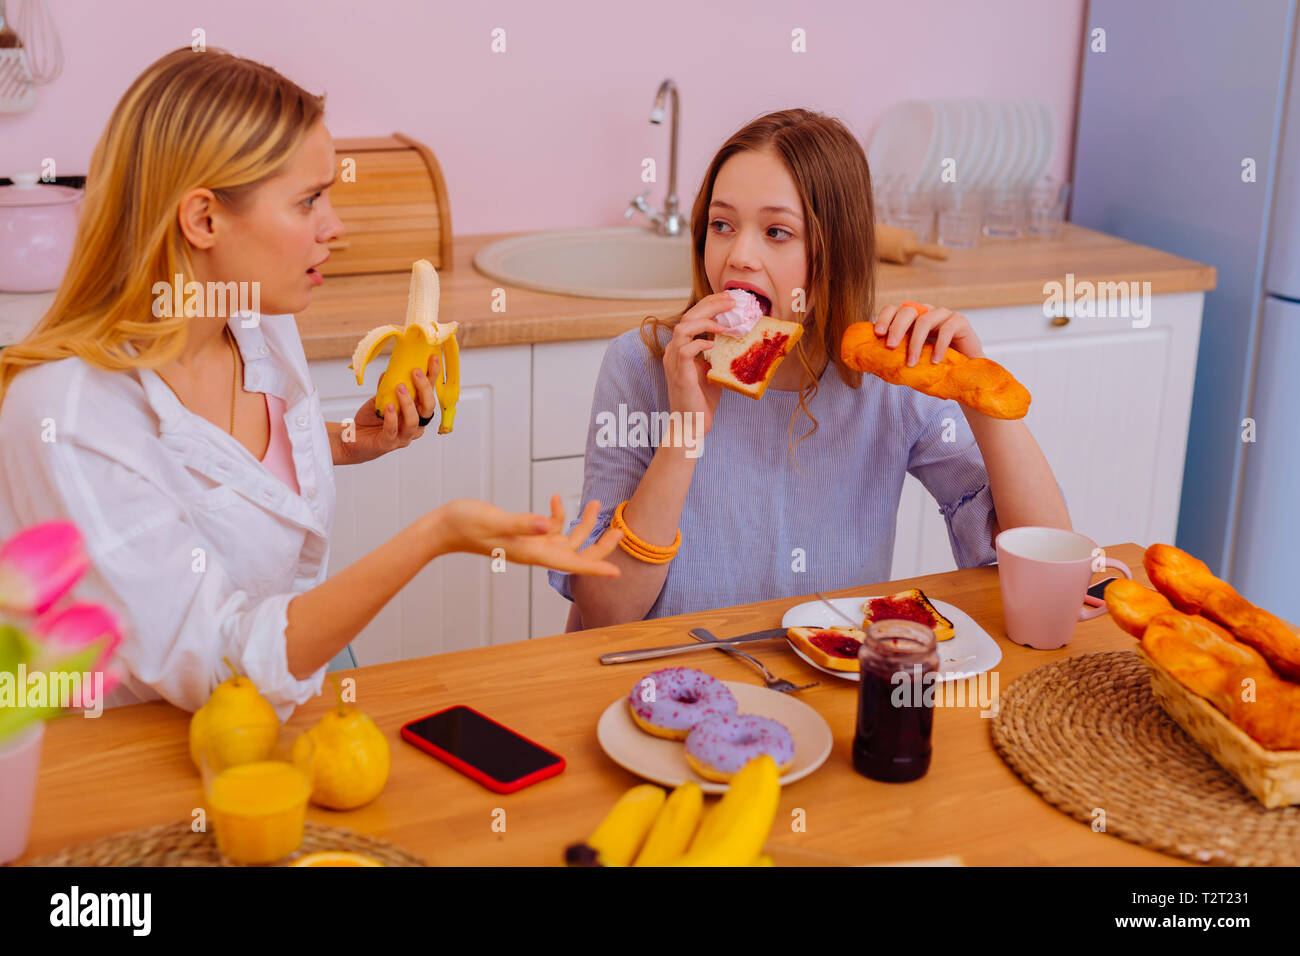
909	605
835	648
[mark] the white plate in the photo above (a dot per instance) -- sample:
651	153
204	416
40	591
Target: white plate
994	141
976	146
959	122
972	651
903	140
1044	126
664	761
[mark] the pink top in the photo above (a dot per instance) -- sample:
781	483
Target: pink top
279	453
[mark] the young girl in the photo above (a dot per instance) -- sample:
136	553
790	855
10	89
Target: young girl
785	210
191	452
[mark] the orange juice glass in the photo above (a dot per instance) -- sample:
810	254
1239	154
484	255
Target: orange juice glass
257	785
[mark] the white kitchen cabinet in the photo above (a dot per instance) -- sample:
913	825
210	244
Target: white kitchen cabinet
1110	409
456	601
564	381
563	475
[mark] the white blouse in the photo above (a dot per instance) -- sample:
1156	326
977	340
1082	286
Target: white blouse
192	541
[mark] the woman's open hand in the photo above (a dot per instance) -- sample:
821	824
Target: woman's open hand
399	426
476	527
945	326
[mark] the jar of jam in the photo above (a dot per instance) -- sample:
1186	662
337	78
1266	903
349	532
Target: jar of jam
892	742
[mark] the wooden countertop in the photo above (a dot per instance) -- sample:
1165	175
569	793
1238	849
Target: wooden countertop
996	272
131	768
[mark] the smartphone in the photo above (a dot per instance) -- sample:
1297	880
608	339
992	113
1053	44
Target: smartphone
1098	592
483	750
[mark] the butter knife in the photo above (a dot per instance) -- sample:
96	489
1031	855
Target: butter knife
622	657
852	623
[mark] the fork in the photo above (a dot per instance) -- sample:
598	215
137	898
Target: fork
772	682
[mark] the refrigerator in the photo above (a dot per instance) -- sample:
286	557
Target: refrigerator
1188	139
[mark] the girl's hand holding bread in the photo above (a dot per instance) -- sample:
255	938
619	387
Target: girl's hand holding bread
961	373
689	389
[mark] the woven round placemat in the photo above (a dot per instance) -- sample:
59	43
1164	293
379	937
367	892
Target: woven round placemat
1087	733
175	844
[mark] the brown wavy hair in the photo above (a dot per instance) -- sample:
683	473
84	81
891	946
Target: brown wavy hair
830	172
190	119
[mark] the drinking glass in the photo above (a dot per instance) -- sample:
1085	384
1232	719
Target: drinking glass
1047	201
257	781
1004	212
960	216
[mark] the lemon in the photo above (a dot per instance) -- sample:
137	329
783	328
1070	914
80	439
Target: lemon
239	723
335	858
349	766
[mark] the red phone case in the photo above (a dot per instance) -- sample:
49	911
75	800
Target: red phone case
469	770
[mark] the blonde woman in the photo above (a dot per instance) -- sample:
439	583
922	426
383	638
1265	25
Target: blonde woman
191	451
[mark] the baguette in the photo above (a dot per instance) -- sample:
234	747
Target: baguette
981	383
1191	587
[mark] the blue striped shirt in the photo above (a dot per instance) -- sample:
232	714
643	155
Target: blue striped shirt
755	527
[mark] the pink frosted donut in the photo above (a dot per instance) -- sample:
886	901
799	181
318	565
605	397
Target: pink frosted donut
668	703
718	747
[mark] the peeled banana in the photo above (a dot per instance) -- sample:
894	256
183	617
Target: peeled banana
421	337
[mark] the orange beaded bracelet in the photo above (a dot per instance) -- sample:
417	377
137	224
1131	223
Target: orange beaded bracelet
649	553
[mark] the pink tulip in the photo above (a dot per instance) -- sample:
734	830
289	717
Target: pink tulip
76	627
38	565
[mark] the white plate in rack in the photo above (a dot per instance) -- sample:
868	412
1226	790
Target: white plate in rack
971	652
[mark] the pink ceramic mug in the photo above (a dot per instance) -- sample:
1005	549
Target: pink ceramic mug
1044	575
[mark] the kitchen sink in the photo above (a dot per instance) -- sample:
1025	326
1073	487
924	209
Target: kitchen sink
611	263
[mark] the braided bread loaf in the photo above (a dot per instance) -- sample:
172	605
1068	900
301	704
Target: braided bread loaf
981	383
1190	585
1210	662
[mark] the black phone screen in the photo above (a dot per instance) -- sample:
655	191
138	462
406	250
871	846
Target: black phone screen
1098	590
489	747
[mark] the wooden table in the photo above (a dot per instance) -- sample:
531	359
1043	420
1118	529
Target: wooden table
131	767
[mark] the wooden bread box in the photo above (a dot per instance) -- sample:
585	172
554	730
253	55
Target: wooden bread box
393	202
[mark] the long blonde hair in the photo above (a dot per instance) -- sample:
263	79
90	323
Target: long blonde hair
830	173
190	120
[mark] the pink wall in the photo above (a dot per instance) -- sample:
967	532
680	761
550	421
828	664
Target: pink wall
551	133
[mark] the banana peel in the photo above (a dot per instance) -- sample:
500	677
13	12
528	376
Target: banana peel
421	337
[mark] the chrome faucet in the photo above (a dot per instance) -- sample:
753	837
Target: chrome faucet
666	221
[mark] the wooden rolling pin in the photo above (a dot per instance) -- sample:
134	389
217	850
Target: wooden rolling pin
895	244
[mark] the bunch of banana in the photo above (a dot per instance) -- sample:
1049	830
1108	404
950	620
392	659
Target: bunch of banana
421	338
677	832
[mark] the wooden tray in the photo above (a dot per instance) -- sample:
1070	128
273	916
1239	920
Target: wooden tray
1271	776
